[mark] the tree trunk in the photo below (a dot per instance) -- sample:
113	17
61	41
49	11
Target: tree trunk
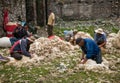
31	11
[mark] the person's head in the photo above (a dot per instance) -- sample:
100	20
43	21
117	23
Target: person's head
75	32
80	41
49	11
99	31
31	39
26	26
68	37
19	18
19	24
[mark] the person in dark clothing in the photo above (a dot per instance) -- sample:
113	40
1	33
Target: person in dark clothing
68	35
21	47
91	49
20	32
100	37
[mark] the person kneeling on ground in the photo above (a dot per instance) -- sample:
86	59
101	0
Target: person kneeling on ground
19	33
21	47
68	35
100	38
90	48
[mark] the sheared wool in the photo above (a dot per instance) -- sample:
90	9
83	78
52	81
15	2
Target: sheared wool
116	41
50	47
82	35
113	43
92	65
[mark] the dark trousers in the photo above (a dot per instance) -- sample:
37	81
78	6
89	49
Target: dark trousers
98	58
50	30
16	55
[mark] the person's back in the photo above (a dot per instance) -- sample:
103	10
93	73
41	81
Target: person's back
99	39
20	32
51	18
68	35
90	47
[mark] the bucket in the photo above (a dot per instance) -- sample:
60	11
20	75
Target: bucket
9	29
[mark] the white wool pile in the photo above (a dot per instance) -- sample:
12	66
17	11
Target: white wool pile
26	61
82	35
92	65
116	41
113	43
50	47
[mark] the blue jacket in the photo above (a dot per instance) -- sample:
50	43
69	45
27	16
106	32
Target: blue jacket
99	39
90	48
13	40
21	46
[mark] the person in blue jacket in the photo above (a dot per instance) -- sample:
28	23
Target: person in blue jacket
100	39
21	47
90	49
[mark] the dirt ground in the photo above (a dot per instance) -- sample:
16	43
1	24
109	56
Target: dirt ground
42	32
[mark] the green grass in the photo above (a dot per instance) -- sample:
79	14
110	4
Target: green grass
89	29
33	74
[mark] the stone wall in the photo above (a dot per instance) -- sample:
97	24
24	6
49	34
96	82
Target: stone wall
85	9
66	9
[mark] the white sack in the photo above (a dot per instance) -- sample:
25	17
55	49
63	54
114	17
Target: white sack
5	42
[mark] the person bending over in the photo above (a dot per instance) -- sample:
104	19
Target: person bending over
90	49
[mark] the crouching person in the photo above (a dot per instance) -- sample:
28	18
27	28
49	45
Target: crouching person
21	47
100	39
90	49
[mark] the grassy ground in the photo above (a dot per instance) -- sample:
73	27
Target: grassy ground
50	71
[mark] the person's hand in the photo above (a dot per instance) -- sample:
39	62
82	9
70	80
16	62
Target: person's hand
99	46
16	31
31	56
82	58
82	61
